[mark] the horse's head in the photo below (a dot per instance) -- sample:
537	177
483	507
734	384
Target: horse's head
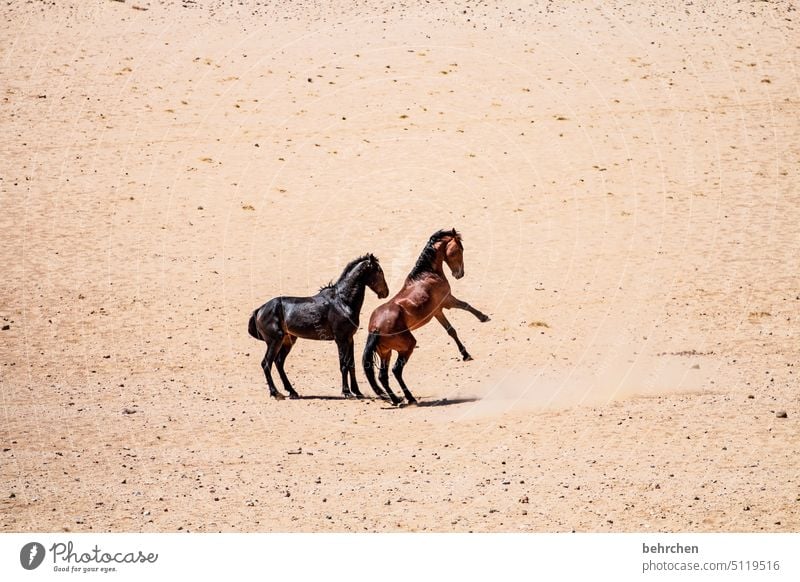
454	253
374	277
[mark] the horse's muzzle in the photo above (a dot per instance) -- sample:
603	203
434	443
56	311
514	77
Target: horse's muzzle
383	294
458	274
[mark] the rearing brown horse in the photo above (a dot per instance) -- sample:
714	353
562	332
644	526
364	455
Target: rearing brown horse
424	295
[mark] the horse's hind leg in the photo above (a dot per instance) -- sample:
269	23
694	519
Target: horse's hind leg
402	358
266	364
280	358
383	376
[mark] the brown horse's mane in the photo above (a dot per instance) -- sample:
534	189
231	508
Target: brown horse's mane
349	267
425	261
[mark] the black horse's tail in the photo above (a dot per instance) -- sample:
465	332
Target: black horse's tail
251	327
369	360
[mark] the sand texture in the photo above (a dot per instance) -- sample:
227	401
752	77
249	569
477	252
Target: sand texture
625	176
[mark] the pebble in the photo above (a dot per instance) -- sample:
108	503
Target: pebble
781	414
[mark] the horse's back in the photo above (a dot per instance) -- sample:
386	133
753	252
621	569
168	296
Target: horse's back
277	306
307	317
304	317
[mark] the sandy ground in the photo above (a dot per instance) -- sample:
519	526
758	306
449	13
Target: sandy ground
626	179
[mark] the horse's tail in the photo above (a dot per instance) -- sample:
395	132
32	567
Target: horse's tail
251	326
368	360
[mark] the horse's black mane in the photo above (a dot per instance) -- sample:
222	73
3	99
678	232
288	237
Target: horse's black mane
425	261
349	267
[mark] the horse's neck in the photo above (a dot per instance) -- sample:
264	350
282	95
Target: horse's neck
351	289
437	262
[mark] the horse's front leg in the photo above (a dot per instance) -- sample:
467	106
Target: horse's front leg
451	331
344	367
453	303
351	362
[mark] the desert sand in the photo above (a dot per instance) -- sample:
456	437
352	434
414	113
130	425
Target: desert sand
625	176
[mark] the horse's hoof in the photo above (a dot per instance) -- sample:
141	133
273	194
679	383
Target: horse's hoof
277	396
484	318
358	395
468	358
411	402
347	395
294	396
397	402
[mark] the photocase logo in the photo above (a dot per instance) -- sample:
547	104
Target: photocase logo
31	555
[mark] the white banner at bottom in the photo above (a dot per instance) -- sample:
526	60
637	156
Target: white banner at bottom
389	557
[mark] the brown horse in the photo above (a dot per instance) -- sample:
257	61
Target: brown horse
424	295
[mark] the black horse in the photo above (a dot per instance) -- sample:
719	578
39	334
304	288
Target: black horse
331	314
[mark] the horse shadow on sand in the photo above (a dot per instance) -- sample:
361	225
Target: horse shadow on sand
420	404
434	403
321	397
